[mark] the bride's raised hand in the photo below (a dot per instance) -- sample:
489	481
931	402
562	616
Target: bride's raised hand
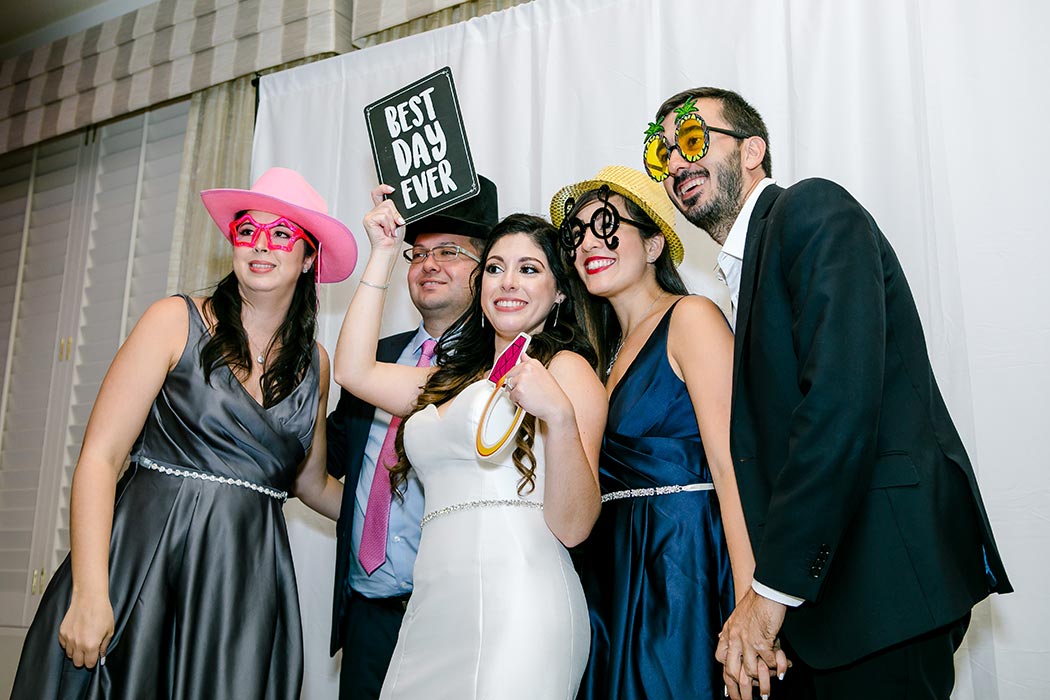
384	224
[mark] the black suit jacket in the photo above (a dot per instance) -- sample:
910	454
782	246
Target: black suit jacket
857	491
348	427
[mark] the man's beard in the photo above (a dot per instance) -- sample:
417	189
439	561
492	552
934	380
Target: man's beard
718	214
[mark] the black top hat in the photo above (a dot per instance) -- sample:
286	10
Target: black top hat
473	217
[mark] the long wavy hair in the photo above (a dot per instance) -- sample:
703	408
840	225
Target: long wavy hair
596	314
466	350
294	338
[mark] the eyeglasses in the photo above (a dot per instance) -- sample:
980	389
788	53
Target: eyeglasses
603	224
691	135
281	234
442	254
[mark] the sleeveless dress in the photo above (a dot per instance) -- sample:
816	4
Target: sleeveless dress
655	568
497	611
200	572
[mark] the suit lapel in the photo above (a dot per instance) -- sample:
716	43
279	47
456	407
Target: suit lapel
755	229
391	347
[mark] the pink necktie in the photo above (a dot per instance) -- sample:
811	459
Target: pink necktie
372	552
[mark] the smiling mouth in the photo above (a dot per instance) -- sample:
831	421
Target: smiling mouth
595	265
430	284
689	185
509	304
261	266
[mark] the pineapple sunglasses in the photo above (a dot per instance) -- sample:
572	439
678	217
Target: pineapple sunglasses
691	135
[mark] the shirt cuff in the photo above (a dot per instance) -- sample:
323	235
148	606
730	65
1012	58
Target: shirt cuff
775	595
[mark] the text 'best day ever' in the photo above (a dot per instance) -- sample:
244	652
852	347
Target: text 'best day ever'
419	147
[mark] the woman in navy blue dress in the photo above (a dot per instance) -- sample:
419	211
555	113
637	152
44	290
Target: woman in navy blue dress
660	565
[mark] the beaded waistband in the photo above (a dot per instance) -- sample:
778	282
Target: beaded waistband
468	505
655	491
205	476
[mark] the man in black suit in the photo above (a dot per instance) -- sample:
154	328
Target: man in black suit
369	605
871	541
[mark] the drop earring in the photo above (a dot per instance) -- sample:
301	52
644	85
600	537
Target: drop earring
557	312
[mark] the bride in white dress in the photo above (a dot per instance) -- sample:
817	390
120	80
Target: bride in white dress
497	611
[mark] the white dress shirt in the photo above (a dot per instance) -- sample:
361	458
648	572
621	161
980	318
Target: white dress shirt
731	257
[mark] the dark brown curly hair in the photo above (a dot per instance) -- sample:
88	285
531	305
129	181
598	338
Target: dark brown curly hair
465	352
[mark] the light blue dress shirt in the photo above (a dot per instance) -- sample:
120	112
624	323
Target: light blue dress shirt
394	576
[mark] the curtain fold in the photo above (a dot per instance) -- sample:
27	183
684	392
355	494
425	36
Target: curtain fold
217	154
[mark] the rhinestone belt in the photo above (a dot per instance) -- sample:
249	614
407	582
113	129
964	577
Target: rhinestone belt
654	491
511	502
204	476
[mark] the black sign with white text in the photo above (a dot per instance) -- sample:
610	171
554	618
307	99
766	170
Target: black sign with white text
420	146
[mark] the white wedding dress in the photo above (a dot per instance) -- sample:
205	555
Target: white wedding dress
497	611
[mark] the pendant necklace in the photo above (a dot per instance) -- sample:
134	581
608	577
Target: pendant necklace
624	337
261	357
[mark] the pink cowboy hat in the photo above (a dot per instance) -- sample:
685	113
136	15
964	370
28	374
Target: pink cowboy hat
287	193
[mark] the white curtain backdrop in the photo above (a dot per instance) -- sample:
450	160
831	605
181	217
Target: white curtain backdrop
931	113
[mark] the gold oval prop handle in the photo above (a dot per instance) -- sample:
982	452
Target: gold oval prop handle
483	448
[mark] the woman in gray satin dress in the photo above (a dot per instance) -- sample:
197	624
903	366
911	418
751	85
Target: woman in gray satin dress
180	581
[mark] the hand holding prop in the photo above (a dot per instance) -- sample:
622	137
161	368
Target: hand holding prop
501	417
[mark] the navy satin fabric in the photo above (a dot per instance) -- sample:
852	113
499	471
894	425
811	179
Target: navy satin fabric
201	577
655	569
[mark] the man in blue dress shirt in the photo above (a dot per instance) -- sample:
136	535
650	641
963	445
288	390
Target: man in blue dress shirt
368	606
